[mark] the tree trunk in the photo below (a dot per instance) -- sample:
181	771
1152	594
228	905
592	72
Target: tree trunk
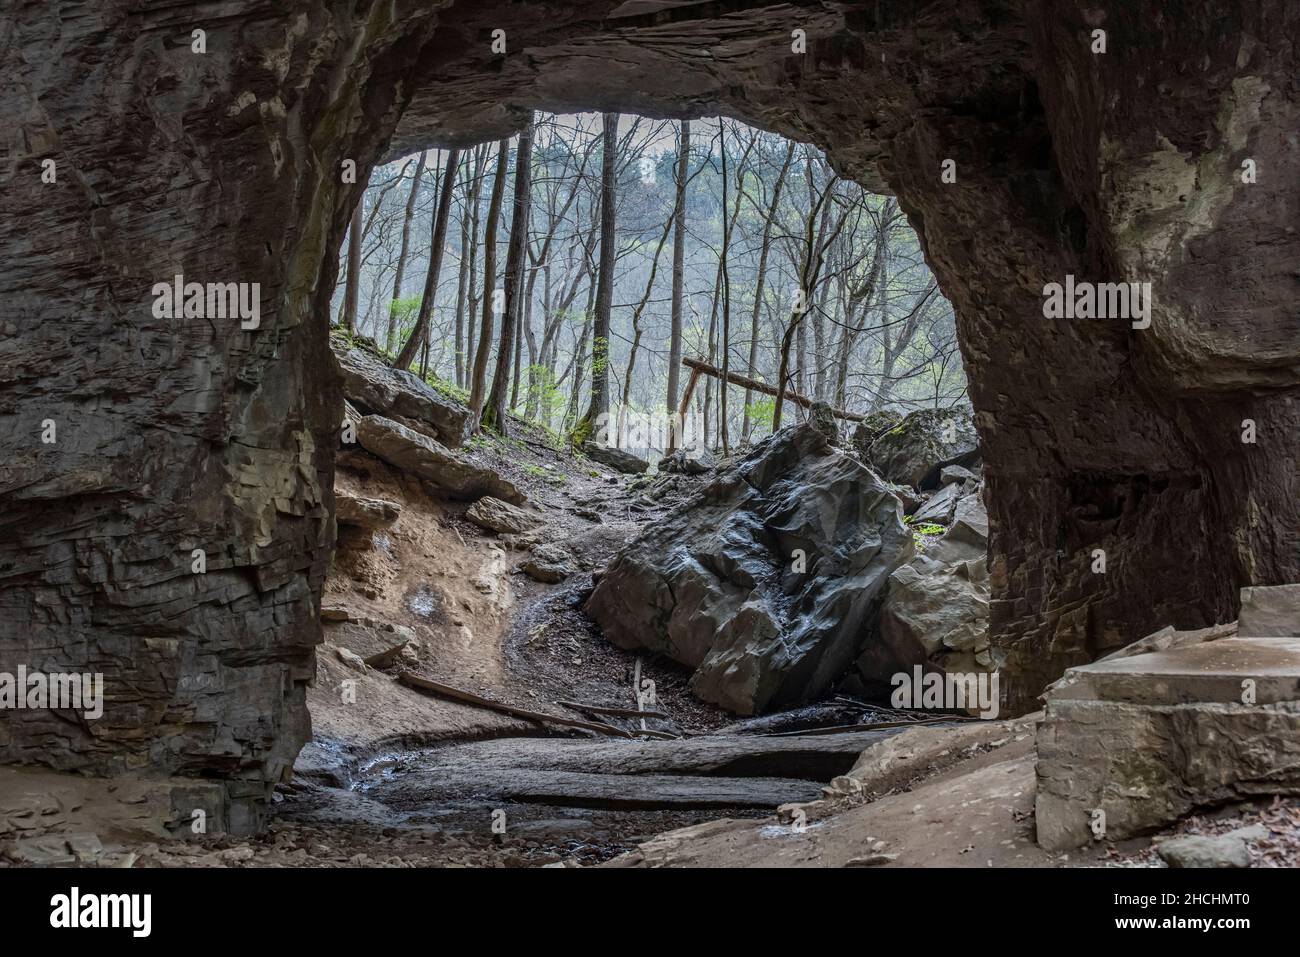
463	279
489	277
354	267
471	310
604	279
399	274
807	279
747	426
679	267
494	416
421	330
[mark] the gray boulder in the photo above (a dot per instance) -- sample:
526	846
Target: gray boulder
688	462
939	508
620	460
367	513
427	459
501	517
374	387
872	426
765	580
549	563
936	611
915	451
1106	744
1220	850
1270	611
956	473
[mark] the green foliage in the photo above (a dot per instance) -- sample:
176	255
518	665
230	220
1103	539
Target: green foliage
544	392
406	310
581	433
448	389
923	533
762	412
926	528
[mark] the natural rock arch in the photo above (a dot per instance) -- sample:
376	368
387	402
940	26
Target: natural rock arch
177	435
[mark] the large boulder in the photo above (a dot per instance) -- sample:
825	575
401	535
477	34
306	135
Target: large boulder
936	611
368	513
373	386
693	461
1270	611
620	460
871	427
764	581
501	517
915	451
427	459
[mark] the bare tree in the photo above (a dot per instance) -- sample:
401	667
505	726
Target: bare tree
604	278
401	257
354	267
764	251
489	277
679	269
421	330
494	415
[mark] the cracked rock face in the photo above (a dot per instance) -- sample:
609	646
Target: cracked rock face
225	166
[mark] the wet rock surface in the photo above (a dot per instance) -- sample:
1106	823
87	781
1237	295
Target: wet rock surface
764	580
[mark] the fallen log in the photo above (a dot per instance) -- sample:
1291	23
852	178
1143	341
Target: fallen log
615	712
466	697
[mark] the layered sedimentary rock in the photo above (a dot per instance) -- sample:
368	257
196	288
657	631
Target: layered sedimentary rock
414	453
765	580
227	161
372	386
1133	743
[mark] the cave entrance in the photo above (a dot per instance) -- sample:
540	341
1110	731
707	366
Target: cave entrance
713	280
1017	153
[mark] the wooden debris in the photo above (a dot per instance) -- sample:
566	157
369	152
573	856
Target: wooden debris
466	697
615	712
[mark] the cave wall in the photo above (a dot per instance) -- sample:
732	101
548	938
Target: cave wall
225	166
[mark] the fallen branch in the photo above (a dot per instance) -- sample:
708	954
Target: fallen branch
696	366
466	697
616	712
641	732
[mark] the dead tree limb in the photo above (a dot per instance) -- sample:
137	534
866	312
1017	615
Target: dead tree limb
615	712
466	697
698	366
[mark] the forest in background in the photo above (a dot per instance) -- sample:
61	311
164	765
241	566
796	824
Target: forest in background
572	283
